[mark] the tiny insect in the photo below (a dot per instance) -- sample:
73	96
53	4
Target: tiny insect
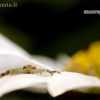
29	69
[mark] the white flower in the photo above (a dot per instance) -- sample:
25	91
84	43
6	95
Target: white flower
13	57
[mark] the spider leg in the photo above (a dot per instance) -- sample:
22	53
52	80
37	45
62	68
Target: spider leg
5	73
52	72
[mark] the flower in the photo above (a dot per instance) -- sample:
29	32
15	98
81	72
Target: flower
13	57
86	62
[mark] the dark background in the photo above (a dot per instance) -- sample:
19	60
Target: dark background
50	27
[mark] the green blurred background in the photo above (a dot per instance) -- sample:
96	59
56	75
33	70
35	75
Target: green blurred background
51	27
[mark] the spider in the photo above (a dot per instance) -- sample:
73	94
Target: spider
29	69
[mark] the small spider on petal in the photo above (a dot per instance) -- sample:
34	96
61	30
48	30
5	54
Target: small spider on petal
29	69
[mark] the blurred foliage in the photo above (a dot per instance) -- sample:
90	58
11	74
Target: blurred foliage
86	62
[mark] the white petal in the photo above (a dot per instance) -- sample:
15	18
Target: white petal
62	59
12	57
39	88
15	82
7	44
66	81
45	60
57	64
10	60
